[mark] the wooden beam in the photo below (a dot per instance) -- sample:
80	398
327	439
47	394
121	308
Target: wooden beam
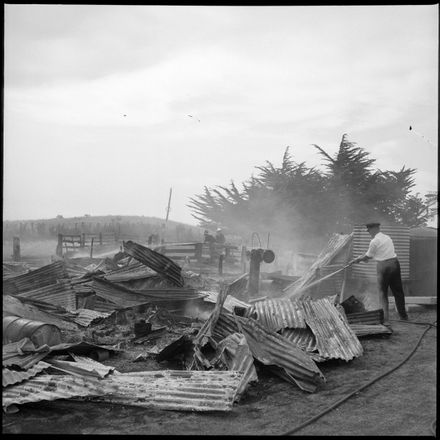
416	299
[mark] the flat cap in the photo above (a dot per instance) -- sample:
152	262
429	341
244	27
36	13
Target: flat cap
372	224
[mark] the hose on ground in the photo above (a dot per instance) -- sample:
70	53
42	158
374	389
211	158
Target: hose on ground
330	408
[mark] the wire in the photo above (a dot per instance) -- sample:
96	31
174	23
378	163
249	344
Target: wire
313	419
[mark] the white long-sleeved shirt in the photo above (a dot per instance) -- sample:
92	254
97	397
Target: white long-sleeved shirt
381	247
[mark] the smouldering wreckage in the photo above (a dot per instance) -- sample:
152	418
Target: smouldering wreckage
147	300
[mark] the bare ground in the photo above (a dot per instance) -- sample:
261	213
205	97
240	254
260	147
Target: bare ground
402	403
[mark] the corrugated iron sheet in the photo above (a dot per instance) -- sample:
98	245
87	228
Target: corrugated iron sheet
175	390
131	272
11	377
302	337
23	354
14	268
85	316
276	314
34	279
361	240
81	368
156	261
337	244
362	330
271	348
87	363
334	337
119	295
170	294
53	387
60	293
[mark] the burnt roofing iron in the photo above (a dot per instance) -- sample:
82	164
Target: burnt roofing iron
156	261
37	278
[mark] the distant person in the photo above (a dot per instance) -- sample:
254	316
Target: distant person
208	238
219	237
381	249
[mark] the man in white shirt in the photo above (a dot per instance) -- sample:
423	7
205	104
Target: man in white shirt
381	249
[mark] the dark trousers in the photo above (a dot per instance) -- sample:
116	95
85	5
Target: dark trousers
388	275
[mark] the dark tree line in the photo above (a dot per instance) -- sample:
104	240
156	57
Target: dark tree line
294	200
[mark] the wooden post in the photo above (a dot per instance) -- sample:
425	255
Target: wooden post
16	249
59	249
91	247
83	240
220	264
100	238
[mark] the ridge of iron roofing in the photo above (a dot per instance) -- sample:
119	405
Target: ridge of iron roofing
156	261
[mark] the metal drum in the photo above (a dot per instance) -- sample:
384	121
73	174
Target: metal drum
40	333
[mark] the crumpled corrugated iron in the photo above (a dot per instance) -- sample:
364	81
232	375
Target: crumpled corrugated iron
334	337
60	293
37	278
271	348
276	314
235	353
11	377
119	295
23	354
368	317
134	271
156	261
81	367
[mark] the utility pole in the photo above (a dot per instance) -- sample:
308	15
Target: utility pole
166	218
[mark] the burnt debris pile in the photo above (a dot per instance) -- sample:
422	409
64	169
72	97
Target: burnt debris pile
138	329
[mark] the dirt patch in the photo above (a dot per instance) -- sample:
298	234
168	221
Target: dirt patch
402	403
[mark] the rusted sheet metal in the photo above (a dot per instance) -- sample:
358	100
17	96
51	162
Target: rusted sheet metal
85	316
156	261
175	390
53	387
60	293
361	240
334	337
276	314
271	348
11	377
12	269
230	302
37	278
90	364
119	295
236	354
362	330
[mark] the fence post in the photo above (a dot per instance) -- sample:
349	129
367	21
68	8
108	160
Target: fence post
59	250
91	247
83	239
100	238
16	249
199	247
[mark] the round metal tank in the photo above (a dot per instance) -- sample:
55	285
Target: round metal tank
40	333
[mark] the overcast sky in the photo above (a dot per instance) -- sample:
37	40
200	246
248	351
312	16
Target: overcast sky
97	99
